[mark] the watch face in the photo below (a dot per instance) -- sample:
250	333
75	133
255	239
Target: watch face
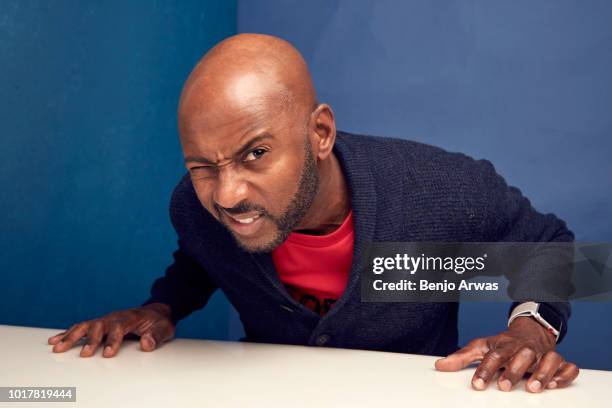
550	316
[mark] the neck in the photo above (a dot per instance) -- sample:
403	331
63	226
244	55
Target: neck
332	202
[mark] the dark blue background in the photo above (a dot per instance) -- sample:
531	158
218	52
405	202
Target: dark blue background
90	151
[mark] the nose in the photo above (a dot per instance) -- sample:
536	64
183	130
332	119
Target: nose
230	188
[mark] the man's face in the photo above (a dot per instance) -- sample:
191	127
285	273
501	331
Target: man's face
253	170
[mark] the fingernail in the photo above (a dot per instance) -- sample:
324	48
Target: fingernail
108	349
479	383
505	385
535	385
552	384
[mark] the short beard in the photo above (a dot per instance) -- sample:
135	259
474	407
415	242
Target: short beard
297	208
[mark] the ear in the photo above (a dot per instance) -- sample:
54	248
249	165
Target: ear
324	130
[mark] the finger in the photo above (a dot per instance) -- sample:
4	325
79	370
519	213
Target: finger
472	352
113	340
147	342
94	338
491	363
57	337
73	335
566	374
156	336
548	366
516	368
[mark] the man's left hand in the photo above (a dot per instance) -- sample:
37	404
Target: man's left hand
526	347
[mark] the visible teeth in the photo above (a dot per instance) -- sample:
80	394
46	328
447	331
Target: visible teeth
247	220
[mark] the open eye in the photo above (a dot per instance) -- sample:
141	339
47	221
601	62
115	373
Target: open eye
255	154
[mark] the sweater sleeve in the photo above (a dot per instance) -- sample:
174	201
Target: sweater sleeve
511	218
185	287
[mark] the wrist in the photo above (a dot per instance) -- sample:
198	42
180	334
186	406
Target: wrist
528	324
161	308
541	313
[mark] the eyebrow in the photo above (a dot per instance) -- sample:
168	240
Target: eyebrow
243	149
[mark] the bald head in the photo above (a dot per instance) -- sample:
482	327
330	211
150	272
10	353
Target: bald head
256	142
247	73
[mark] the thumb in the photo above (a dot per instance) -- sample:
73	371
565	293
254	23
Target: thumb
147	342
472	352
155	336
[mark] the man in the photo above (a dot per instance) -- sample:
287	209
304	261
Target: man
278	206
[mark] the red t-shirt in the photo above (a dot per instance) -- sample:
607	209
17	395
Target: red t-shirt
315	268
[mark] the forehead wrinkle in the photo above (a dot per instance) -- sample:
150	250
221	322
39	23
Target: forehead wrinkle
256	123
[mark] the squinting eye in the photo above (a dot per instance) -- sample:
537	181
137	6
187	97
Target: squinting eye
255	154
203	170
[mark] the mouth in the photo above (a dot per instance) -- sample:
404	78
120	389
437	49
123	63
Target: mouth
245	224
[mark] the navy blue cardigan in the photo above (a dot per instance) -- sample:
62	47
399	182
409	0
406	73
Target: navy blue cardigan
400	191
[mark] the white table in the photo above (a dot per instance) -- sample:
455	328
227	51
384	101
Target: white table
198	373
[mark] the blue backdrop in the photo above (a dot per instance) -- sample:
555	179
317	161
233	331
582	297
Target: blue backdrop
526	84
90	149
90	153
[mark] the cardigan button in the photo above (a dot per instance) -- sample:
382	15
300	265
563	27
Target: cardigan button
322	340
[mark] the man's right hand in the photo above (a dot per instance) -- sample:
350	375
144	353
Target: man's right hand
151	322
